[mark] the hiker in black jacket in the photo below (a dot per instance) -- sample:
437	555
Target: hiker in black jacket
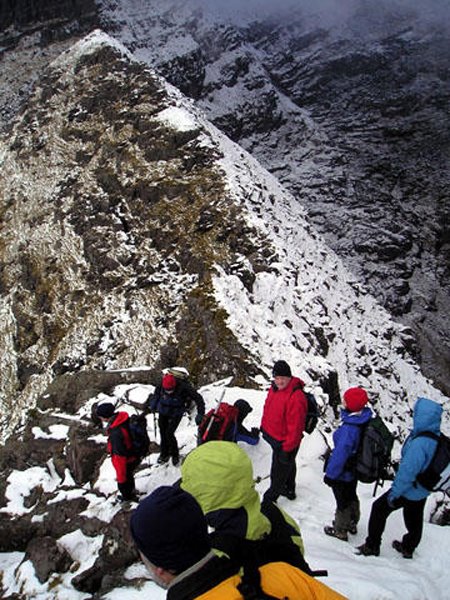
171	399
171	534
120	448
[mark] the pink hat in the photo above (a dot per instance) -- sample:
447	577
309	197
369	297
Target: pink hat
169	382
355	399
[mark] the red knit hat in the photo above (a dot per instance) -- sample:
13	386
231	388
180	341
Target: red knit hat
169	382
355	399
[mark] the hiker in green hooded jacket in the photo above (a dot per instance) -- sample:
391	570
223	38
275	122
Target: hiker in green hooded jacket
220	477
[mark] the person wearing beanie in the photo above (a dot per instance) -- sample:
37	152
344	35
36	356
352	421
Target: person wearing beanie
171	534
172	398
120	448
406	492
282	426
339	474
249	436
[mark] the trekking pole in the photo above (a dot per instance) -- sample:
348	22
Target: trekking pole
211	420
319	573
155	425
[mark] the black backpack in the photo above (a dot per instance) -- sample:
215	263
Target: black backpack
436	477
374	451
137	426
312	416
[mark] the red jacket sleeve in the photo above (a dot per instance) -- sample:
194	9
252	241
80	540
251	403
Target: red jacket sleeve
296	409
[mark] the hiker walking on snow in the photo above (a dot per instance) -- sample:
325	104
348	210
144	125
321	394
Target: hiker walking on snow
120	448
406	492
171	399
171	533
282	426
339	474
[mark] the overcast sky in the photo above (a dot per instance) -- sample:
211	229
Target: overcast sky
438	10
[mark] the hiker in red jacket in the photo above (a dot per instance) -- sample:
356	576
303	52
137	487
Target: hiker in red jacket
282	426
120	448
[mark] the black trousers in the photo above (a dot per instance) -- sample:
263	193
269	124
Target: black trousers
167	427
282	473
347	513
127	488
344	493
412	516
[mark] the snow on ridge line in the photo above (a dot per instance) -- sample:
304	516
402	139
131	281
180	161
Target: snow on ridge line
242	171
89	45
351	313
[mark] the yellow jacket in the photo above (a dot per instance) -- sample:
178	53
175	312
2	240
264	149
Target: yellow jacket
278	579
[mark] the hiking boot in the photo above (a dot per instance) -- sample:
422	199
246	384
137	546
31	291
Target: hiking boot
289	494
338	534
367	550
353	529
162	459
128	499
175	461
397	545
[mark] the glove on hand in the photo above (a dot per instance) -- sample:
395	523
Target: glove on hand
198	418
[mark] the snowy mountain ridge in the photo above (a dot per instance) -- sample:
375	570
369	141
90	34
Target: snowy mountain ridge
128	220
313	310
345	103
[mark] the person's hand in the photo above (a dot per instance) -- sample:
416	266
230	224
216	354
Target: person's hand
198	418
392	502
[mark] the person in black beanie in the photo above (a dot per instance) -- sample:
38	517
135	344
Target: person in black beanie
120	448
282	426
171	534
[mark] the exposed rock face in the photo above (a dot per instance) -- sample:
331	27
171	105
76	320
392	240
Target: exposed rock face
20	14
47	557
32	33
351	117
62	505
130	214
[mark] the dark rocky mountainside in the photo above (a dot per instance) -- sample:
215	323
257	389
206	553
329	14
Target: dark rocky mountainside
352	118
134	233
111	224
351	115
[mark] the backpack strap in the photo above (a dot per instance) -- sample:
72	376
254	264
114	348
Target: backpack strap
250	586
428	434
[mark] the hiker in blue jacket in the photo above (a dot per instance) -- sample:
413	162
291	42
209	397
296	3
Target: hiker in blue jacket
406	492
339	474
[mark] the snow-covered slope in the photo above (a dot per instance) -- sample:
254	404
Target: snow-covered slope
119	194
347	104
89	527
135	233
